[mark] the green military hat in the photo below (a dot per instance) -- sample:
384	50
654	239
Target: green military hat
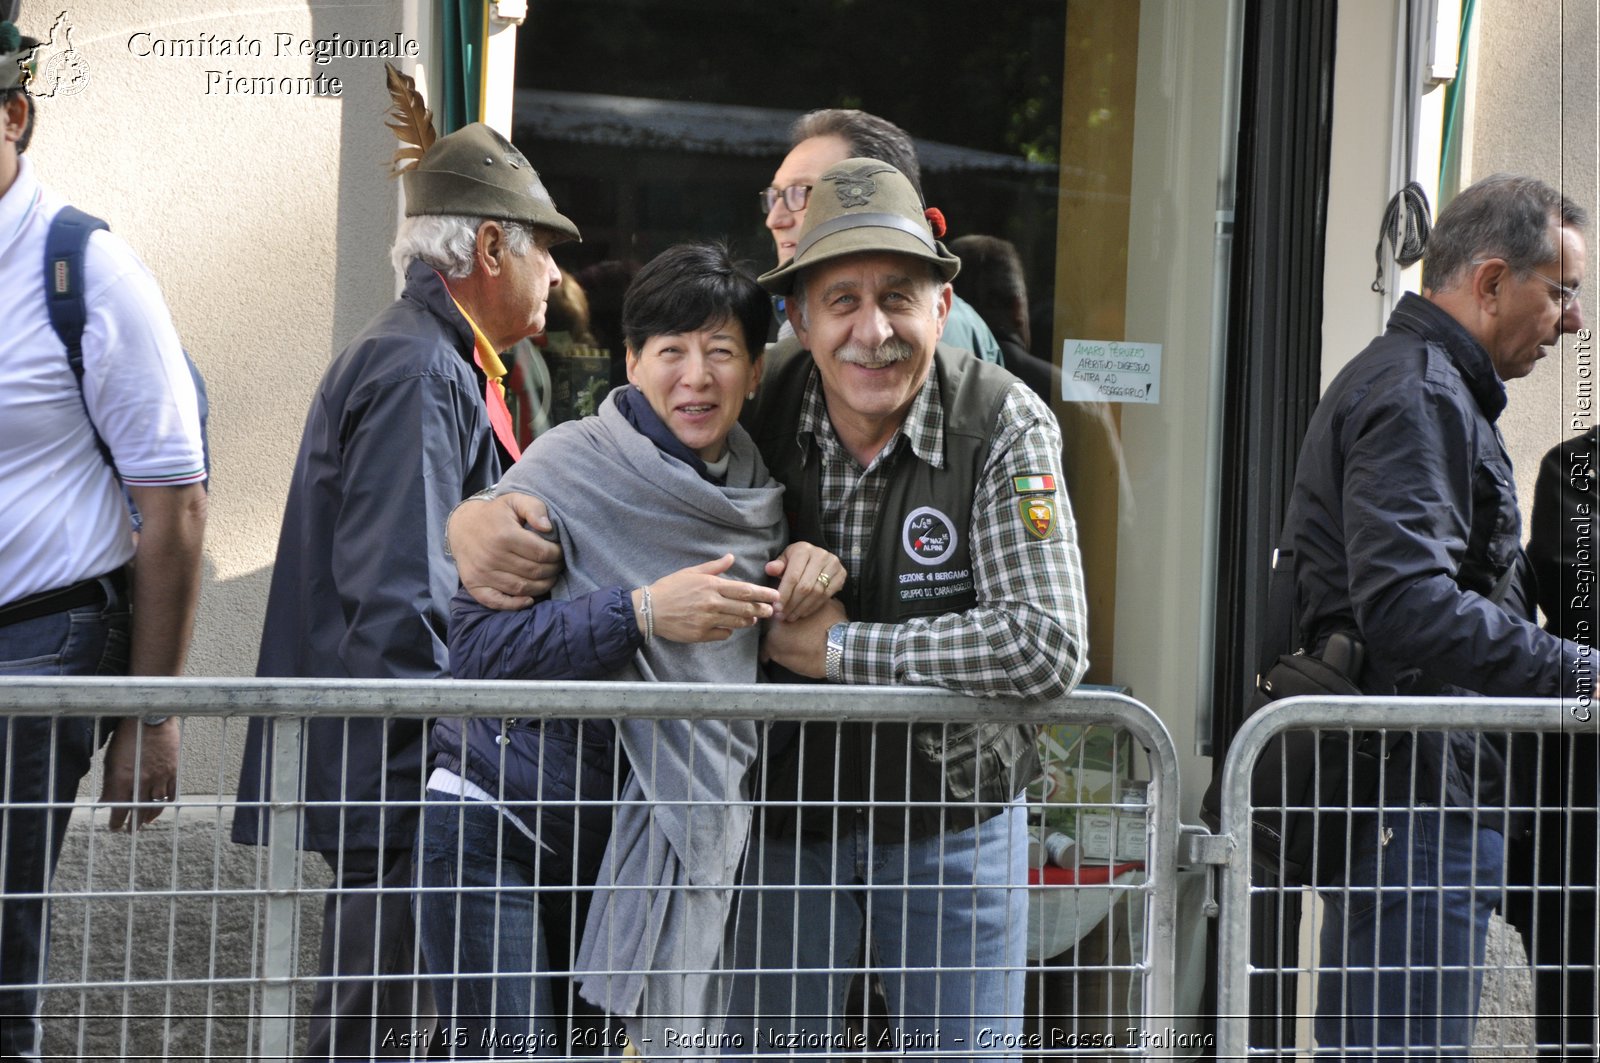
16	53
862	206
478	172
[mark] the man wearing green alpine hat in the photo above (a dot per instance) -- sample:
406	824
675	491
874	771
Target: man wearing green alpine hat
409	419
937	479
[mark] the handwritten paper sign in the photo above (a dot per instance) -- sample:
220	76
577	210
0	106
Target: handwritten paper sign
1110	371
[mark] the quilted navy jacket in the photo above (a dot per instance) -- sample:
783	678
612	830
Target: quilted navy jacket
542	769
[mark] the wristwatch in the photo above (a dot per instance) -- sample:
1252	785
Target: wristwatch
833	662
486	495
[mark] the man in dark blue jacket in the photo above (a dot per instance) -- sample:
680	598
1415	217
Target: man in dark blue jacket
407	422
1405	528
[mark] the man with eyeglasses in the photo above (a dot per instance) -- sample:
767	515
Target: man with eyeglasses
824	138
409	419
1406	536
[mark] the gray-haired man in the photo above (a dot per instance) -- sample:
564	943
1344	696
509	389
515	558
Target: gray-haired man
824	138
407	422
1406	536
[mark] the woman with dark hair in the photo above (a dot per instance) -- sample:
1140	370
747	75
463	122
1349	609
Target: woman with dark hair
668	520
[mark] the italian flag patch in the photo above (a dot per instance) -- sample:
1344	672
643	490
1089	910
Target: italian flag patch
1030	485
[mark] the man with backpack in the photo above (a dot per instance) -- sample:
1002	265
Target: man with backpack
78	594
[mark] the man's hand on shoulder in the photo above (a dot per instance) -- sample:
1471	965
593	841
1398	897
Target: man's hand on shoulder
503	560
802	645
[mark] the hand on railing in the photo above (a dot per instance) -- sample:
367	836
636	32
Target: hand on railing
151	752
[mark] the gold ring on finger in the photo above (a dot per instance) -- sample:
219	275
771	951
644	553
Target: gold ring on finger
823	579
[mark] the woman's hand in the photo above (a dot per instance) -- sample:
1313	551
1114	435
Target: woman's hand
697	604
810	576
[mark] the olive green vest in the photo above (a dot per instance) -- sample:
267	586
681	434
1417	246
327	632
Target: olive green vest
918	563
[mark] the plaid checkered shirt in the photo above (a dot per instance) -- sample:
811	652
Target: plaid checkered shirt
1030	590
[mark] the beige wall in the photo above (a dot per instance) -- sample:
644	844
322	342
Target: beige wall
1535	112
1532	109
266	220
1359	179
1164	559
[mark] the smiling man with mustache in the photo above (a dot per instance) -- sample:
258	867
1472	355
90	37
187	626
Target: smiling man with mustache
918	465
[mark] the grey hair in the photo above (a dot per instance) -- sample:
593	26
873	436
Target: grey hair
1502	216
797	294
869	137
448	242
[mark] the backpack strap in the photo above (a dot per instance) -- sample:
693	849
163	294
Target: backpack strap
64	248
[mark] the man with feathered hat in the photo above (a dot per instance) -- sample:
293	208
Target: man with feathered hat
409	419
72	601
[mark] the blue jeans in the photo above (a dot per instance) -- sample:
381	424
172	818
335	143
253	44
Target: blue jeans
947	919
1401	959
42	760
483	913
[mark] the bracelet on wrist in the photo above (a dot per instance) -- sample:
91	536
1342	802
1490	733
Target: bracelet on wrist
647	612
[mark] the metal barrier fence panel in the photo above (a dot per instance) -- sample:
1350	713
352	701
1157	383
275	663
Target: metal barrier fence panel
1361	870
716	914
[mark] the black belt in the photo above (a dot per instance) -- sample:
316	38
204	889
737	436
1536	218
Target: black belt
94	591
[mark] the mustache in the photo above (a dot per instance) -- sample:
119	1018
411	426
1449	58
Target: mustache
893	349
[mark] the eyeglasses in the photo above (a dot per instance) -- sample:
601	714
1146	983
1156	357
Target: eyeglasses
1568	295
794	197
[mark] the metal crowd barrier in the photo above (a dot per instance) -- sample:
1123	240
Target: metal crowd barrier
176	943
1271	969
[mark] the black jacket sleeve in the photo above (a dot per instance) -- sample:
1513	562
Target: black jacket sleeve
1562	545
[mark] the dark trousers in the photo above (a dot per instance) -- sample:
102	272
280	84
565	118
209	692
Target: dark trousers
1555	873
373	1001
42	760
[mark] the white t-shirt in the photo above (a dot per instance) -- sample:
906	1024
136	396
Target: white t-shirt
64	517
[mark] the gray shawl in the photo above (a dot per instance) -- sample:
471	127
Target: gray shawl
627	514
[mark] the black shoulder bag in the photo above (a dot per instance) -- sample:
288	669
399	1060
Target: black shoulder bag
1304	780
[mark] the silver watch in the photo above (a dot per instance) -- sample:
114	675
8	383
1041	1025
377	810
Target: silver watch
488	494
833	662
